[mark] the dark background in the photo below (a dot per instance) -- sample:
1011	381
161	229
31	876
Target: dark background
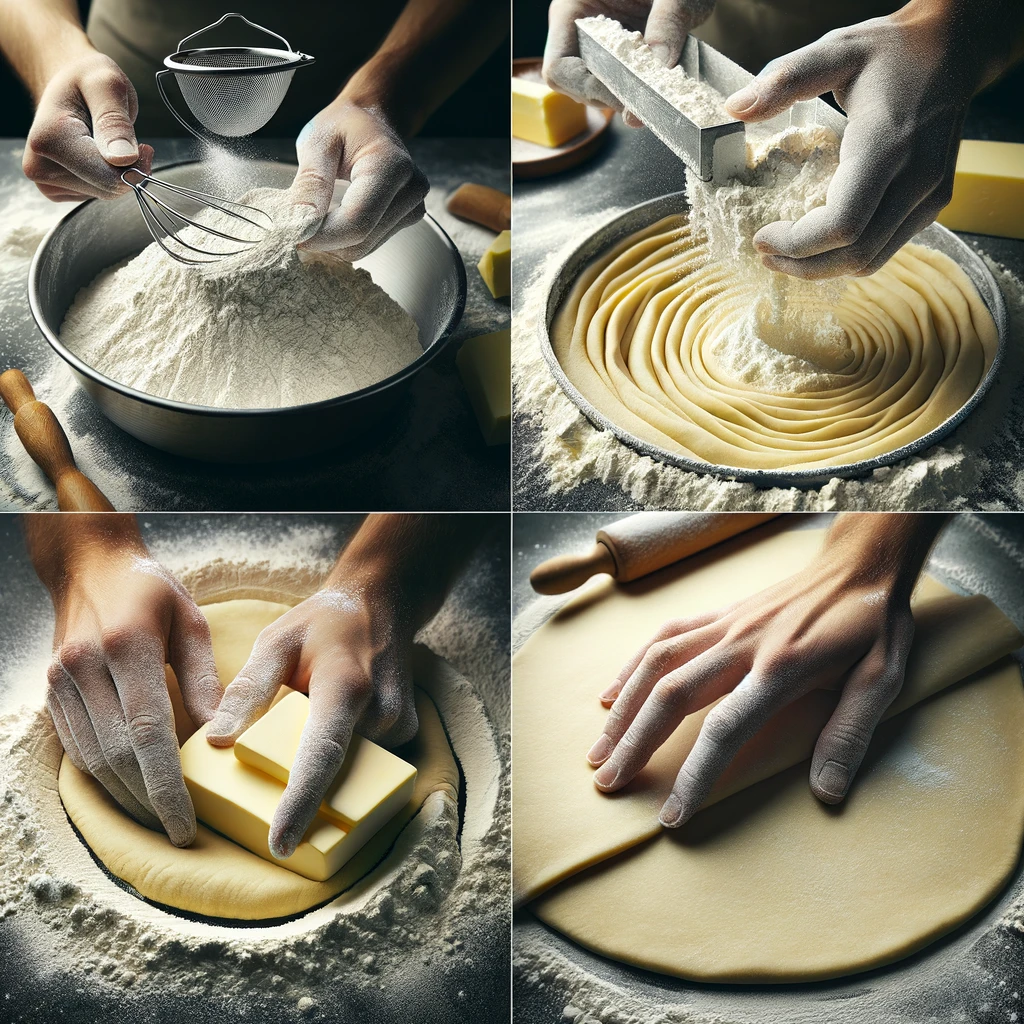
1003	100
479	108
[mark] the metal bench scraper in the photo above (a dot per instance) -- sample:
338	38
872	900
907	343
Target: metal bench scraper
717	152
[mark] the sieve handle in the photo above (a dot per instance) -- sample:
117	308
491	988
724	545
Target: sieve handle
216	24
192	125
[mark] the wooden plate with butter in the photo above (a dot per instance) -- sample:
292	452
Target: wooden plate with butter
551	118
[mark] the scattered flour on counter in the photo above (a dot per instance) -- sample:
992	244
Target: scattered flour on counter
979	466
268	328
403	933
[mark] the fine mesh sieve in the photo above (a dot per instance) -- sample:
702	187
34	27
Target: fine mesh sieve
231	91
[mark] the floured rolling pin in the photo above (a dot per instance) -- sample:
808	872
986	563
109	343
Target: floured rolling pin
642	544
482	205
44	439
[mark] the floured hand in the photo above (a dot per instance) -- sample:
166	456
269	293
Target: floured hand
120	618
386	191
664	24
905	81
842	623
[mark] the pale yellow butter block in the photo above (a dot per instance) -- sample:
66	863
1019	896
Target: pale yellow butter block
372	786
239	802
543	116
485	364
988	189
495	265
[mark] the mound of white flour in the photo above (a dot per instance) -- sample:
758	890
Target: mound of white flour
264	329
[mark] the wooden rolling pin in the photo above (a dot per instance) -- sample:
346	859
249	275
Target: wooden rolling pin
44	439
482	205
641	544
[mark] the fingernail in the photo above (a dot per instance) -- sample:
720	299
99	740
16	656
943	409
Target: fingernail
611	693
740	102
121	147
834	780
220	731
180	831
600	751
671	812
607	777
661	53
284	847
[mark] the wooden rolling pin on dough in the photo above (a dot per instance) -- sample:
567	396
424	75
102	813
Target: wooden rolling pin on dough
44	439
641	544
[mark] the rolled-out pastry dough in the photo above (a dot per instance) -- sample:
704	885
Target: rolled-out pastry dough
640	336
766	884
770	885
215	877
563	823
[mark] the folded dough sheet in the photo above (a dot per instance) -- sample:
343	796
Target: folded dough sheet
563	824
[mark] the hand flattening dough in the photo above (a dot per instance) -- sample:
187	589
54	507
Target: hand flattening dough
647	336
733	928
215	877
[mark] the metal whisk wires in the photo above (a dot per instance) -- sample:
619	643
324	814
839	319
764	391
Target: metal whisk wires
166	220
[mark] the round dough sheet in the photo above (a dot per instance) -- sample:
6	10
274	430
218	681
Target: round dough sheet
214	876
770	885
648	336
766	883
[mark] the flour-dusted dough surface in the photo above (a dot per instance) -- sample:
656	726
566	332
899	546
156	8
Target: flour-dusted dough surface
772	886
214	876
651	335
562	822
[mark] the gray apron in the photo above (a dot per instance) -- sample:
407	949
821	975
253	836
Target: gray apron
138	34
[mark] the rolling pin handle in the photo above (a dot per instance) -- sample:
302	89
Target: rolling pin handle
563	573
482	205
15	389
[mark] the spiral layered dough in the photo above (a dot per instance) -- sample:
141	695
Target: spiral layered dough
649	334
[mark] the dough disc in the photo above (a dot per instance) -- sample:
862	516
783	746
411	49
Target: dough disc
772	886
755	930
215	877
651	335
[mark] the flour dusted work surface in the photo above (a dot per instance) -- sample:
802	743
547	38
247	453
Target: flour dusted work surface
215	877
943	794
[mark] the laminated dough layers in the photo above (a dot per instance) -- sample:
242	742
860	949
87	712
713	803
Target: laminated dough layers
650	334
765	883
214	876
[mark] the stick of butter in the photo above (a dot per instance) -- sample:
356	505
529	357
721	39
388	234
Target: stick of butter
239	802
495	265
543	116
988	189
372	786
485	365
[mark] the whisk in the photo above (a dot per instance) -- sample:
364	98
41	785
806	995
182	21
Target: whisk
231	91
165	221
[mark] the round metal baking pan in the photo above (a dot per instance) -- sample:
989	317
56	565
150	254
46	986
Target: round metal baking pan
636	219
419	267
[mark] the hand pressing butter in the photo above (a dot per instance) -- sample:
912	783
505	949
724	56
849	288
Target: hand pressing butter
236	790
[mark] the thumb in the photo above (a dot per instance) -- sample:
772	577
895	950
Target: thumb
319	153
844	741
670	22
113	105
800	75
